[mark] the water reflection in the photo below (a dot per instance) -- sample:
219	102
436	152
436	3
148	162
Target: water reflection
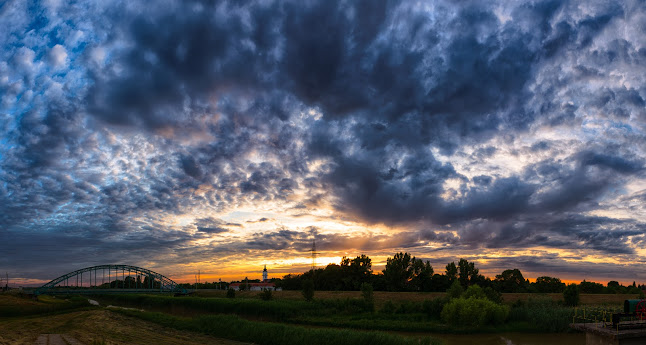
512	339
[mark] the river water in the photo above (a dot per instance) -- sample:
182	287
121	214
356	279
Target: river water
512	339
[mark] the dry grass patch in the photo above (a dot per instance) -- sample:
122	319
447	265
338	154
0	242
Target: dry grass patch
100	327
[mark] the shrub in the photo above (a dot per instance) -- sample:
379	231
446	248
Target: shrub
456	290
474	291
473	312
347	305
493	295
368	296
231	293
308	290
544	314
266	295
571	295
388	307
433	308
408	307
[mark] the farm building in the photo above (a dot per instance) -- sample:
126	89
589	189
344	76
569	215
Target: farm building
266	284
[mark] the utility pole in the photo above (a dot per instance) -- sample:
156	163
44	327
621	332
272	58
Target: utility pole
314	254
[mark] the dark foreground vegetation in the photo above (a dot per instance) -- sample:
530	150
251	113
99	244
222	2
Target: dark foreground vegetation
21	305
214	317
236	328
474	310
267	318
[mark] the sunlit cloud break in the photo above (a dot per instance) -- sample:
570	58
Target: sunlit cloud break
222	136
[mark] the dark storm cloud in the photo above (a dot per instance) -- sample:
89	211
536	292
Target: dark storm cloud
287	240
425	89
353	62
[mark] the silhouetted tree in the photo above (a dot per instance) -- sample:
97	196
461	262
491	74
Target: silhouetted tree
511	281
451	272
422	275
397	271
468	273
591	287
546	284
406	273
571	295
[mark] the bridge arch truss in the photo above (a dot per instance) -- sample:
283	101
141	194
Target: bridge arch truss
111	279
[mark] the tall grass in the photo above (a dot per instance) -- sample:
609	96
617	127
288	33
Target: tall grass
272	309
543	314
235	328
44	307
275	309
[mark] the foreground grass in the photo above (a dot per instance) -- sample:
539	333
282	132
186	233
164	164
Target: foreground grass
541	315
193	306
13	306
233	327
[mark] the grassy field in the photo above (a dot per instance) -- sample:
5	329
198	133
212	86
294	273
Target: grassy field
382	296
540	314
207	324
99	327
335	316
272	333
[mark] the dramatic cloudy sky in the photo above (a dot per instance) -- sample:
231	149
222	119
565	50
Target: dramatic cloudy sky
222	136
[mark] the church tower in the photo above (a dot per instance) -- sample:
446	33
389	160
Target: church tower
264	275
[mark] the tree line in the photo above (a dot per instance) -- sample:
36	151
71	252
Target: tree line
404	272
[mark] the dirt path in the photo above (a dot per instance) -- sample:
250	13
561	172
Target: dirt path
56	339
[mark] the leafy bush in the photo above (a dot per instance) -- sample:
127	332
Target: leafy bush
571	295
231	293
308	290
408	307
433	308
388	307
487	293
455	291
266	295
346	306
473	312
543	314
368	295
493	295
474	291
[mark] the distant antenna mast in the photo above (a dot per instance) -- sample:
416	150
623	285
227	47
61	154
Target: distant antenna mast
314	254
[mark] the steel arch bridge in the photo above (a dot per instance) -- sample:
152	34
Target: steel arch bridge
104	279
